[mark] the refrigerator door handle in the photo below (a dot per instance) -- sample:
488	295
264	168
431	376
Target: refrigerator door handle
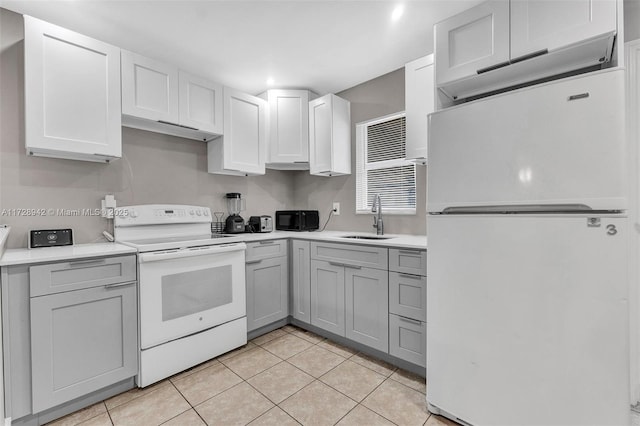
522	208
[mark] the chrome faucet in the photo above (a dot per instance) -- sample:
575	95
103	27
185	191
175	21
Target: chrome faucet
377	219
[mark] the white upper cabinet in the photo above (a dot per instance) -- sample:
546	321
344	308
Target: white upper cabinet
288	129
419	102
537	25
329	136
500	43
160	98
242	149
149	88
72	94
473	40
200	103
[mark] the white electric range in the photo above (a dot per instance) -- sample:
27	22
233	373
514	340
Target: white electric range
192	302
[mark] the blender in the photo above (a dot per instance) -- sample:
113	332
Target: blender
235	204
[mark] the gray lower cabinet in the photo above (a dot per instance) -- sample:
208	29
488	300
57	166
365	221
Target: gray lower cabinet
367	306
82	341
408	339
267	291
301	280
327	296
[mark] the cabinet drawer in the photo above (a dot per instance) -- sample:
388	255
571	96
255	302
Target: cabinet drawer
266	249
408	261
75	275
408	339
408	295
350	254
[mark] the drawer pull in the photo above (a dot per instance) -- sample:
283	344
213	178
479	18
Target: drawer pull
413	277
265	243
413	252
116	285
251	262
344	265
411	321
87	262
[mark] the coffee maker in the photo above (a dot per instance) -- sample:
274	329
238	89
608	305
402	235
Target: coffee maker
235	204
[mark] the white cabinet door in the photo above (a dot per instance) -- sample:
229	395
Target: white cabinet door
329	136
72	94
288	127
242	149
149	88
472	41
537	25
200	103
419	102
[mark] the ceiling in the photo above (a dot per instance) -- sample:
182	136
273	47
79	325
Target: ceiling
327	46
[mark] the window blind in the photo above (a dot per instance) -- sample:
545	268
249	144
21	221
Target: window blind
381	166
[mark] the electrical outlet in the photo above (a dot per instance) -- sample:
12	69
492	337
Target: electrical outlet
336	208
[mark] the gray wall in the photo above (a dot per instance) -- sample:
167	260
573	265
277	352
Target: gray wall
154	169
631	20
375	98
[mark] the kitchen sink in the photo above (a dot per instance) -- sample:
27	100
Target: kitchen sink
366	237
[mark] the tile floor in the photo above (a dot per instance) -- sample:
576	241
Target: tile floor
286	377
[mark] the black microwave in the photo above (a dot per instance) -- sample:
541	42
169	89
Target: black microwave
297	220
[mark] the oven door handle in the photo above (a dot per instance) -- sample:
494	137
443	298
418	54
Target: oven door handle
190	252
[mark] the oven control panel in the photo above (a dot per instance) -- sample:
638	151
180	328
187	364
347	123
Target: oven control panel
155	214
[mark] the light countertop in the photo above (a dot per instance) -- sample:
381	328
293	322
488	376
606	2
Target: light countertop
54	254
392	240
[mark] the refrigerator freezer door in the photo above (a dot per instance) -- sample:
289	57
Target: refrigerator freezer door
527	319
558	143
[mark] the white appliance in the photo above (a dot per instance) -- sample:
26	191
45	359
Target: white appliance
191	287
527	318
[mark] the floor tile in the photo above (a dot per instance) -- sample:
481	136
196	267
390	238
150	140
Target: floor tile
153	408
99	420
286	346
316	361
353	380
195	369
317	404
81	415
361	416
274	417
204	384
261	340
188	418
409	379
236	406
237	351
251	362
134	393
307	335
337	348
376	365
398	403
280	381
434	420
290	328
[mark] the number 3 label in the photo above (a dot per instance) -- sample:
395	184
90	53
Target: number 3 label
611	230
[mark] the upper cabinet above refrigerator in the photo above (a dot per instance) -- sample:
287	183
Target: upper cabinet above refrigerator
505	43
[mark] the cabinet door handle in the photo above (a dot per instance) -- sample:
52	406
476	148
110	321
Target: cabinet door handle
116	285
413	277
265	243
87	262
411	321
493	67
413	252
251	262
344	265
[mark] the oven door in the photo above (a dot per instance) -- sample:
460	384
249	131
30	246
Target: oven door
189	290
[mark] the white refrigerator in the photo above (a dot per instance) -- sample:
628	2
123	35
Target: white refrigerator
527	316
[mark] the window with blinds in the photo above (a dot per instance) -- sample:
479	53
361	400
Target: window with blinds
381	166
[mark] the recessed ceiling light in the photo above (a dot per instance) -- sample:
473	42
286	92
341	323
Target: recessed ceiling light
397	12
270	81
